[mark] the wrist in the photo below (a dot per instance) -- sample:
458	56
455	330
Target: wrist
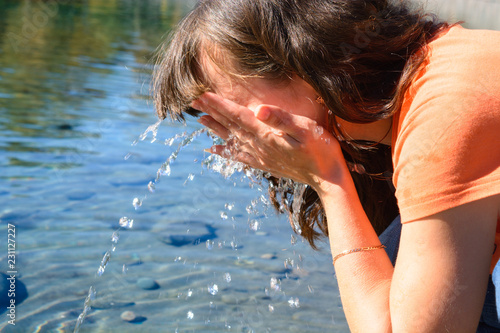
339	179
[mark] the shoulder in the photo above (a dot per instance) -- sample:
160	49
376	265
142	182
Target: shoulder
445	142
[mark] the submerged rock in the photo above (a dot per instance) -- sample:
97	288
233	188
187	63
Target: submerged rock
18	293
188	233
147	284
131	317
128	315
269	256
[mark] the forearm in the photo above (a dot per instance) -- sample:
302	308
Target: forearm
364	278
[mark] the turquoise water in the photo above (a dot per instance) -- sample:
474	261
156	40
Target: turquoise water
73	100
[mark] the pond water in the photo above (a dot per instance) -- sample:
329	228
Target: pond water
74	102
74	81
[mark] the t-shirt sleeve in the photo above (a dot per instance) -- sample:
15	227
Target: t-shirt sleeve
447	151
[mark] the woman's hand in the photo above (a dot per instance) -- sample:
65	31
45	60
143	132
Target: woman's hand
273	140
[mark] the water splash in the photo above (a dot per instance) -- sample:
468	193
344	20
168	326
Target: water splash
137	203
213	289
115	237
104	263
225	167
165	170
126	223
86	308
151	129
190	315
275	284
254	225
189	178
294	303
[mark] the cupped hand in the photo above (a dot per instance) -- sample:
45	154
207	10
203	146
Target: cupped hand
273	140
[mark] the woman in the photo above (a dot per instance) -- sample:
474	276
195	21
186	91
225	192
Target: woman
325	92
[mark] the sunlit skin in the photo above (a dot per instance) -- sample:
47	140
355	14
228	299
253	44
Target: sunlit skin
298	121
443	263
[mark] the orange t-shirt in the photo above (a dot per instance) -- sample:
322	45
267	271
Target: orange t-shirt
446	138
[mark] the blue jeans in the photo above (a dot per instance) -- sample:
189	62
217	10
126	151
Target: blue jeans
490	317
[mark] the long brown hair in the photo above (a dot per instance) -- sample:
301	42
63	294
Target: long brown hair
359	55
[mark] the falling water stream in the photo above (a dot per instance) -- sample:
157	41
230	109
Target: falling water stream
225	167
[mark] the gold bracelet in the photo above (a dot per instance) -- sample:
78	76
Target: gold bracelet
359	249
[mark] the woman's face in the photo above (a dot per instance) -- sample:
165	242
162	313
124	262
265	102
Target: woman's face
294	96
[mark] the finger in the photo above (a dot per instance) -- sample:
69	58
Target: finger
223	126
217	116
300	128
229	113
281	120
217	128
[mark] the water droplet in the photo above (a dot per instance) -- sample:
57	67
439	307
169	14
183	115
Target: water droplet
86	308
271	308
104	263
229	206
177	259
275	284
127	223
293	239
318	131
189	178
190	315
151	187
294	302
166	171
213	289
264	200
151	129
254	225
223	215
124	269
289	263
115	237
189	293
210	244
127	156
137	203
227	277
